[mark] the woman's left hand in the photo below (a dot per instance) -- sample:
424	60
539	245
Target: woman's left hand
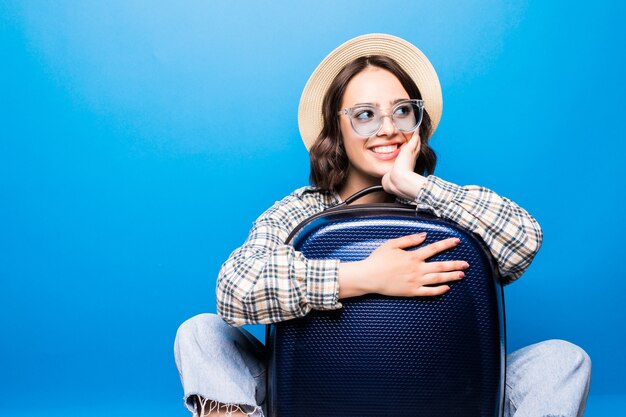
402	181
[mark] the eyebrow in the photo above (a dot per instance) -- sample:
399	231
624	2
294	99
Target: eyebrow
393	103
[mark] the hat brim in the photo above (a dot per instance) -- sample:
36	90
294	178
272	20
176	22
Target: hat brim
411	59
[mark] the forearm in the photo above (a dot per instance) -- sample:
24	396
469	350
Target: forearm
511	233
274	286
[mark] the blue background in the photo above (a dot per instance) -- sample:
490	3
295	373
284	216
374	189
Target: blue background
139	140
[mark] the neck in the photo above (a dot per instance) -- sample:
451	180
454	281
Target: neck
352	187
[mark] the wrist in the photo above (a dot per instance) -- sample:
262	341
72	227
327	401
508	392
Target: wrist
410	184
353	280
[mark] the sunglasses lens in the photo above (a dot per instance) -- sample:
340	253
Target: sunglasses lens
407	116
365	120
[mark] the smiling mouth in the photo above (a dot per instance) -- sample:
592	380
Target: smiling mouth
385	150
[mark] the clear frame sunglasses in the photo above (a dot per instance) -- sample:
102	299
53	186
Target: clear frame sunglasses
366	120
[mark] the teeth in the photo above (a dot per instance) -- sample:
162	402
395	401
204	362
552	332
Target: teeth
385	149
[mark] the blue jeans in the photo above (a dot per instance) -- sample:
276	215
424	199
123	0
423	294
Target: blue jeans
222	364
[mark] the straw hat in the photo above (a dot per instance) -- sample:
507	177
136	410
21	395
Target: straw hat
411	59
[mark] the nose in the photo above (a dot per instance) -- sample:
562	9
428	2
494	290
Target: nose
387	127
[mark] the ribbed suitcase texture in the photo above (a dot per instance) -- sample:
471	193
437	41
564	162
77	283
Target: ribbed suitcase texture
391	356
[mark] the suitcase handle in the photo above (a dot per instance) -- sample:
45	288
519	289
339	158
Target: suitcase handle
363	192
379	188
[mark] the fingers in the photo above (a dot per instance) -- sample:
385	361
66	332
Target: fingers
446	266
415	142
407	241
432	291
433	249
409	152
417	277
442	277
428	251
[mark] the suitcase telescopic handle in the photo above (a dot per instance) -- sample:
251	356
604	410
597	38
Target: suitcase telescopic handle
362	193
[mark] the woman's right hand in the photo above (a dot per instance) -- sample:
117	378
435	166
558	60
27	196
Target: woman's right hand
392	270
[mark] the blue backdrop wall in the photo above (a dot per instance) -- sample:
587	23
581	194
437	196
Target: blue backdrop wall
139	140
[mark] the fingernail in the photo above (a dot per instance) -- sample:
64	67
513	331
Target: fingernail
423	234
465	265
461	274
457	240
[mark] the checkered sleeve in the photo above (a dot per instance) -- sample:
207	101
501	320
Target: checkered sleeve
511	233
266	281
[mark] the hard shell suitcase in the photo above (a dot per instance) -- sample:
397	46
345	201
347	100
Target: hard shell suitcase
391	356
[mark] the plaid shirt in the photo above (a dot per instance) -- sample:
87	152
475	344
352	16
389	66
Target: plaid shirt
266	281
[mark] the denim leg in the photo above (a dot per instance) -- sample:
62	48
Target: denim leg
548	379
220	364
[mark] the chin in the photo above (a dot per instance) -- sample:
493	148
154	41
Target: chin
381	169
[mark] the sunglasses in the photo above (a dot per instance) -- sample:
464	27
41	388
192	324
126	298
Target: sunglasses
366	120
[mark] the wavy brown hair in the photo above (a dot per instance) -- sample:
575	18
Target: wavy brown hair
329	162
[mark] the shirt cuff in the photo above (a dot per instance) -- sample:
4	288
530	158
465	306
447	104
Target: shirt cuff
438	194
323	284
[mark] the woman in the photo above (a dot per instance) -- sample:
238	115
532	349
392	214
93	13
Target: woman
366	115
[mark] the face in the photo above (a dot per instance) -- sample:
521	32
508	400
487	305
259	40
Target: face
372	157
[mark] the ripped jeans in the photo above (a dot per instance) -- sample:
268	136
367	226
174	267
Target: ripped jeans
222	364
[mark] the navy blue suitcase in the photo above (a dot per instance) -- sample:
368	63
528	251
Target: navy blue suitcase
391	356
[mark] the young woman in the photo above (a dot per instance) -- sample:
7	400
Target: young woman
366	116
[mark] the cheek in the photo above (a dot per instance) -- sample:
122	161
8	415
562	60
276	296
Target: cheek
351	150
351	143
